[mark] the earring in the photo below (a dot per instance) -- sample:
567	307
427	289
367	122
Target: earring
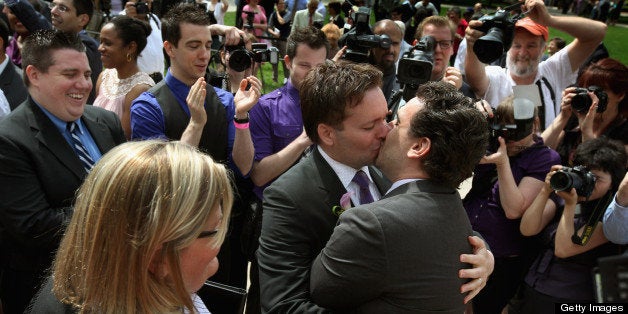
128	57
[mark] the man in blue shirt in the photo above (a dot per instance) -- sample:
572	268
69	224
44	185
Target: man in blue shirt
180	105
40	160
616	216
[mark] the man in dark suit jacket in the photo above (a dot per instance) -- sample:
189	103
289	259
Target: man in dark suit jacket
40	169
11	81
401	254
344	113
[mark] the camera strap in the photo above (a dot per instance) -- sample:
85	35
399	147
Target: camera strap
552	94
594	218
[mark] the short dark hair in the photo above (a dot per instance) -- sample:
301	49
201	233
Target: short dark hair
603	154
560	43
336	6
329	88
179	14
38	47
311	36
457	130
84	7
131	30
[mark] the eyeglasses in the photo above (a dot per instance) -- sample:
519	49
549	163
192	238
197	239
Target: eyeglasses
445	44
60	7
207	234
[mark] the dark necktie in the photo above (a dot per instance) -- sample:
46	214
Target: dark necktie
362	180
79	148
310	22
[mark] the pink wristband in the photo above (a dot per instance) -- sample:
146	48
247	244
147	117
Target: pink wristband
241	126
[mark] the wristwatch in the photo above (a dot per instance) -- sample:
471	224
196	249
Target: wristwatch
243	120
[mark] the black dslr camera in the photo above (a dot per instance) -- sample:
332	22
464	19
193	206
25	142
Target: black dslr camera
360	39
141	7
524	123
499	29
582	102
241	59
578	177
415	67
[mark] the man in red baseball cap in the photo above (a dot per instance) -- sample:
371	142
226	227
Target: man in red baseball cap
523	61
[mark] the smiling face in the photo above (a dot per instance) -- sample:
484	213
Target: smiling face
112	50
358	139
525	54
64	88
189	59
64	17
198	261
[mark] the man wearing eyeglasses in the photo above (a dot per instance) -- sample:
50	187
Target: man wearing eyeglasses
72	16
441	29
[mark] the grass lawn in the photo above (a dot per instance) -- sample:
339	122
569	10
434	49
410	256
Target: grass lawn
617	48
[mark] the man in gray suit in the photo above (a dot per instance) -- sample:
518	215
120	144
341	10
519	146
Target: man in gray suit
401	254
344	114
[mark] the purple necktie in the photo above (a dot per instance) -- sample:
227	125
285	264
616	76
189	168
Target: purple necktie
362	180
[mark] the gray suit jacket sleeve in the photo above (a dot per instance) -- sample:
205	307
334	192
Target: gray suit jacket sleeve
358	231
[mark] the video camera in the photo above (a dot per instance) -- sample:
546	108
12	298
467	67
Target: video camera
578	177
524	122
415	67
360	39
241	58
500	30
250	17
581	102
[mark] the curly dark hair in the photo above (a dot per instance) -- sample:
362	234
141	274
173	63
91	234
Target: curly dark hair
329	88
458	133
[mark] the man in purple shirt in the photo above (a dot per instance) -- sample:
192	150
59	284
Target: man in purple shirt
276	123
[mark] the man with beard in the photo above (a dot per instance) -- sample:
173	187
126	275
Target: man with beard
524	66
385	59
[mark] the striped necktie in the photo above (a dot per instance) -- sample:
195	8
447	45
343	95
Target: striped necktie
79	148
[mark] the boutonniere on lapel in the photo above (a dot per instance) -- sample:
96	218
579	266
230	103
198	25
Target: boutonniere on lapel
345	203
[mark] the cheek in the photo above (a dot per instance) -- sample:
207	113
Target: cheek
197	265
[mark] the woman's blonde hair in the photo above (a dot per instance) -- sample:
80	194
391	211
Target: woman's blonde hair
141	199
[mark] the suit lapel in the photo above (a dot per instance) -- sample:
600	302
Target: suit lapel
382	183
328	180
98	130
48	135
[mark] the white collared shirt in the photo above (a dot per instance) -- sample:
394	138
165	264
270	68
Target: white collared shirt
346	173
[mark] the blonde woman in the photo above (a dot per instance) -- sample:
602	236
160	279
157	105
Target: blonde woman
147	225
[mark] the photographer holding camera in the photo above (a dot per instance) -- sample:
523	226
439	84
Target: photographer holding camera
151	58
504	185
523	60
600	105
255	19
573	239
385	58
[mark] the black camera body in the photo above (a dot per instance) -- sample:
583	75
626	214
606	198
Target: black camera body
523	114
141	7
360	39
500	30
581	102
578	177
241	58
415	67
250	17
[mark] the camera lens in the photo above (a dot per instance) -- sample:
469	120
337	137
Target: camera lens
581	102
564	181
239	60
490	47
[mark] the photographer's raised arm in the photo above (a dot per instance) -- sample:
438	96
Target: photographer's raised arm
588	33
474	68
232	35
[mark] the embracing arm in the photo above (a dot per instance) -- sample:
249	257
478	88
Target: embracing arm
483	263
